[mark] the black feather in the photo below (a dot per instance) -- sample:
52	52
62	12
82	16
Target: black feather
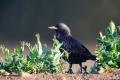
78	52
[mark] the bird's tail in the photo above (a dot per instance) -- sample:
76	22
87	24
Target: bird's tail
92	57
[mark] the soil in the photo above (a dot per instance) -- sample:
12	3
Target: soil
47	76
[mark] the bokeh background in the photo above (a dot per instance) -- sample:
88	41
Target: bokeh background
21	19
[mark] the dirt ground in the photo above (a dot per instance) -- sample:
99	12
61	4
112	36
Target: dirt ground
76	76
46	76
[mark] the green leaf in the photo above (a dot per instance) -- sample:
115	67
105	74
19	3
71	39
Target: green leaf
6	52
39	45
112	27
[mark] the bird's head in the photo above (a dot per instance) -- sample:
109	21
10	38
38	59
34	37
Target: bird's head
61	28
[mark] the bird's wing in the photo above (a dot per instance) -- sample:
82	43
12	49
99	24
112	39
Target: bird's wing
72	45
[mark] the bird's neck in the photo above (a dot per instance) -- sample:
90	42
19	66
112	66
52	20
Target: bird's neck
61	36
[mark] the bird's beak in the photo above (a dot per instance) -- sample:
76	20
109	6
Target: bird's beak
53	27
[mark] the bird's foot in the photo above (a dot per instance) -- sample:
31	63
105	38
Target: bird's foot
69	71
82	72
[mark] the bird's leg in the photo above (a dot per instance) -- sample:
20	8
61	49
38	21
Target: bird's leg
70	68
80	67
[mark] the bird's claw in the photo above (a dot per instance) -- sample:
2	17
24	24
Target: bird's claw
69	71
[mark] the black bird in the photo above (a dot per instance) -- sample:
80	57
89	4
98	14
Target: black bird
78	52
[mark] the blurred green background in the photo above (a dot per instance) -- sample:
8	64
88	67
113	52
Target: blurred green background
21	19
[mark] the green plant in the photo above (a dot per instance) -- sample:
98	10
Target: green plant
14	61
52	58
108	49
33	64
38	60
85	69
46	60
